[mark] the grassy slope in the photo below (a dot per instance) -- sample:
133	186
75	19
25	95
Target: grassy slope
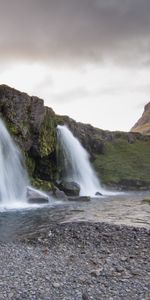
124	161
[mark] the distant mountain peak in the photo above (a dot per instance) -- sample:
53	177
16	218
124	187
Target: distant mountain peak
143	124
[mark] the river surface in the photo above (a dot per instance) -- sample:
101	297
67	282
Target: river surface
127	208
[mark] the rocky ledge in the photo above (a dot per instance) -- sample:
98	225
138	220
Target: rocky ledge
77	261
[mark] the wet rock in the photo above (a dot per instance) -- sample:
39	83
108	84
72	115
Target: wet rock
119	269
123	258
58	194
70	188
98	194
36	197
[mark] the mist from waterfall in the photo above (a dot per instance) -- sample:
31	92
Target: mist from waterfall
13	175
76	163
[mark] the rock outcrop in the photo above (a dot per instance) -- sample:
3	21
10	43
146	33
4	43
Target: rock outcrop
33	127
121	159
143	124
70	188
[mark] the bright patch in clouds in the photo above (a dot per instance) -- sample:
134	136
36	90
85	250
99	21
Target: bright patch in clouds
103	95
89	59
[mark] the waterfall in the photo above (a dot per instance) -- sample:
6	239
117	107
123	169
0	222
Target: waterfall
76	163
13	176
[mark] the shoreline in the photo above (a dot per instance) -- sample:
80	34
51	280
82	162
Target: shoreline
77	261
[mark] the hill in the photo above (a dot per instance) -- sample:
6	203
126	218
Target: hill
143	124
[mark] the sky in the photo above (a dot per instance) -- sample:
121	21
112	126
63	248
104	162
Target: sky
89	59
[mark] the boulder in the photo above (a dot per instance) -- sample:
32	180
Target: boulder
98	194
36	197
70	188
59	194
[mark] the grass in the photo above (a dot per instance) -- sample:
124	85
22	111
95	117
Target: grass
123	161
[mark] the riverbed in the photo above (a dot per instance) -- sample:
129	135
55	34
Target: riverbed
124	208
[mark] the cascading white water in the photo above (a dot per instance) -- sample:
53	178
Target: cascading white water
76	163
13	176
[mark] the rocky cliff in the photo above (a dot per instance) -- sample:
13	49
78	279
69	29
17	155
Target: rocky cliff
143	124
120	159
33	127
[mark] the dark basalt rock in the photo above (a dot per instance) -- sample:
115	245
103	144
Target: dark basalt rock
70	188
36	197
98	194
59	194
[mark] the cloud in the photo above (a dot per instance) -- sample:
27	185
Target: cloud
75	31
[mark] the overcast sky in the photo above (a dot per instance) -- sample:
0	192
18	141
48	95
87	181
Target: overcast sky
89	59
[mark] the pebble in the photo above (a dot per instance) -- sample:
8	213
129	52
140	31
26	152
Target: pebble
56	285
70	268
85	296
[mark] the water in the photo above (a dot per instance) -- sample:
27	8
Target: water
13	176
76	163
127	209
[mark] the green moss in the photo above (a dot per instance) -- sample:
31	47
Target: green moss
30	164
124	161
47	138
12	128
41	184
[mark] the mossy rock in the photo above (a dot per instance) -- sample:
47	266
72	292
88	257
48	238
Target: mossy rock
30	164
47	137
42	184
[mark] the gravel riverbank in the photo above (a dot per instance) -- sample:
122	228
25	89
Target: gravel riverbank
77	261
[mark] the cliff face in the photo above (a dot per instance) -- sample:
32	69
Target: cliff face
33	128
143	124
120	159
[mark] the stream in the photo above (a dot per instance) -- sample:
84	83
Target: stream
125	208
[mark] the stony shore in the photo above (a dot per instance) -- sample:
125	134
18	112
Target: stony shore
77	261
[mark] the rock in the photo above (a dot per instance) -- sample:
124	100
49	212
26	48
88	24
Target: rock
119	269
143	124
59	194
56	285
98	194
135	272
36	197
81	198
70	188
96	272
85	296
